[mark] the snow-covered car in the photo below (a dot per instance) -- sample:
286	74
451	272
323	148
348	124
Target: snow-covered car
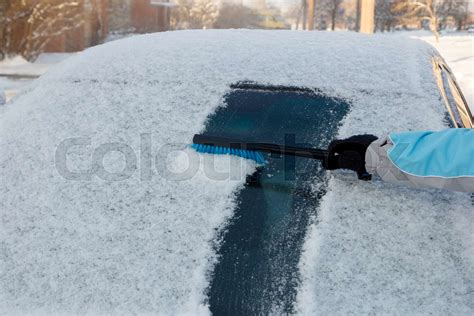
2	98
106	209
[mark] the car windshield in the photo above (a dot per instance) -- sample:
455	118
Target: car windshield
257	270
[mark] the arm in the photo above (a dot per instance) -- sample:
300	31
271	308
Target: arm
443	159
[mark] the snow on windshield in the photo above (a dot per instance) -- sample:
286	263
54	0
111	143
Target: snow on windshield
146	243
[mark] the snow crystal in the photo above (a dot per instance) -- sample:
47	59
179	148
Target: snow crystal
383	249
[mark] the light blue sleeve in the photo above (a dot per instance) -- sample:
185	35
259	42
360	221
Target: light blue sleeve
443	154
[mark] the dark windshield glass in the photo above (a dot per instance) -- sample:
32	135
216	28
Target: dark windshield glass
257	269
450	98
459	112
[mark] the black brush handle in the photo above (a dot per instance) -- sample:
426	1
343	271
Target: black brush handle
312	153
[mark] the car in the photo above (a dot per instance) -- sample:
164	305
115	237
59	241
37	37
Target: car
106	208
2	98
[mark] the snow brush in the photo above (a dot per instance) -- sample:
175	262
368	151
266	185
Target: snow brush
251	150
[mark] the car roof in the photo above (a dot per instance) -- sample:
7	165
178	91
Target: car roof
150	241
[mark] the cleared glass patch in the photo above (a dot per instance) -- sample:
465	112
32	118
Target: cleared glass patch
257	269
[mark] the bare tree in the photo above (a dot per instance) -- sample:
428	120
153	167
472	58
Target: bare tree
456	9
304	8
384	15
194	14
334	8
328	9
181	16
234	16
28	26
358	14
204	13
293	14
423	10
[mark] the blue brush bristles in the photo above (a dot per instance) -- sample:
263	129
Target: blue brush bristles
219	150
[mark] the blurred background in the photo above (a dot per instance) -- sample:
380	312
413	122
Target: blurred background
37	33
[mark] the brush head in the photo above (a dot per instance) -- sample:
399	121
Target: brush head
219	150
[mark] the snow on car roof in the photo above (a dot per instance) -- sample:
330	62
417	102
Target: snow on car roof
147	243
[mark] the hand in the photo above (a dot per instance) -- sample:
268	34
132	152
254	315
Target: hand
349	154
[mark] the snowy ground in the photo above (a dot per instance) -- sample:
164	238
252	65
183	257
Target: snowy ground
16	73
458	51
